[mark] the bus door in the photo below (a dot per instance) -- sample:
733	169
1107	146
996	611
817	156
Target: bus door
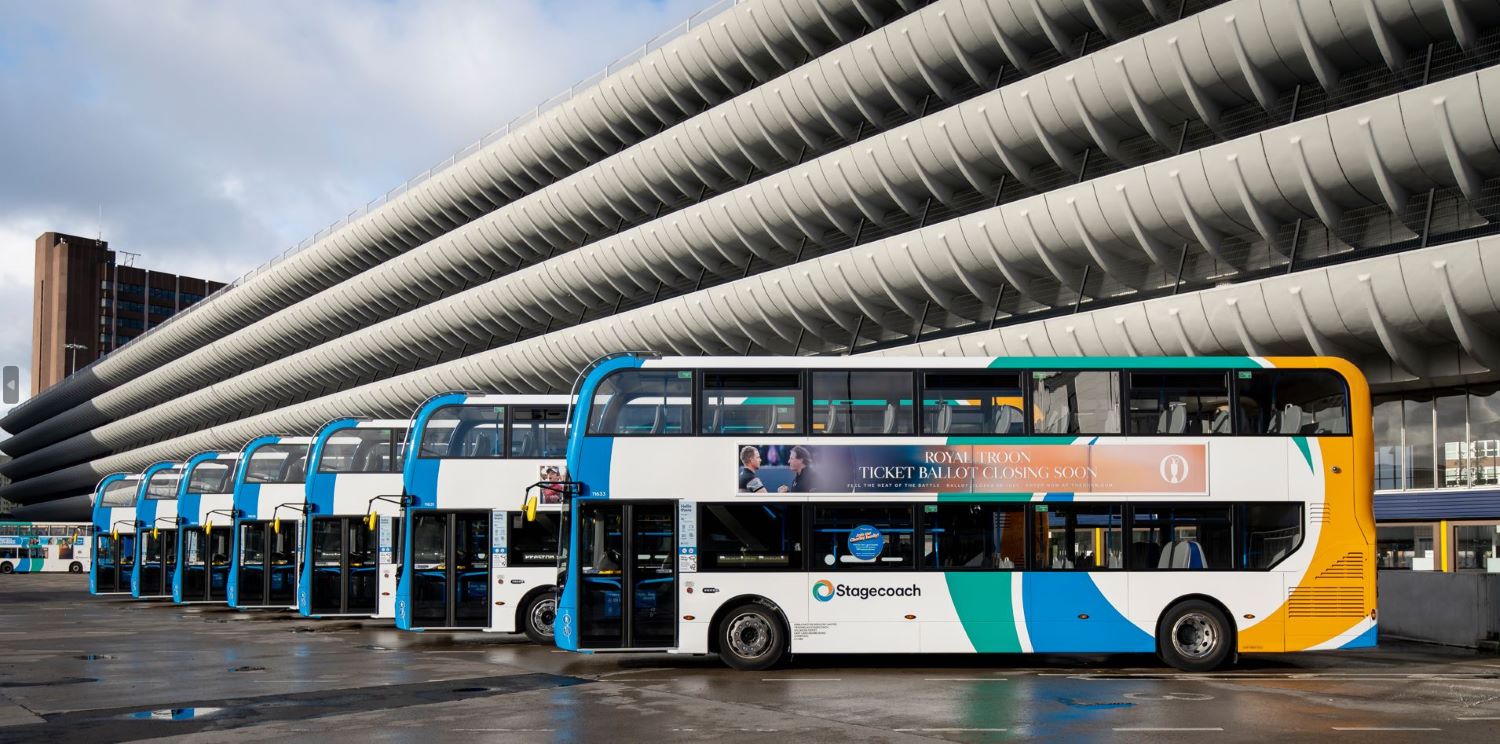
205	570
158	561
268	565
628	580
451	569
107	565
345	579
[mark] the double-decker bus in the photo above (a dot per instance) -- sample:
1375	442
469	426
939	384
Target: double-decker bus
114	533
156	523
352	519
35	547
1197	508
473	558
270	497
205	501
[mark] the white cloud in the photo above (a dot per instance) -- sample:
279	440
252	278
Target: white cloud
211	136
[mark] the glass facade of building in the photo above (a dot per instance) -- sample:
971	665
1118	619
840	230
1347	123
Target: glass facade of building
1438	451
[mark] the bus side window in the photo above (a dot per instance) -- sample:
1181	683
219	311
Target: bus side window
973	536
1270	532
1292	402
973	403
1076	402
862	402
1186	403
862	537
1180	537
750	537
758	402
538	432
1077	536
643	401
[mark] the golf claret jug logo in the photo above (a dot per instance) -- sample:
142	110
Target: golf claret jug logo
1174	469
823	590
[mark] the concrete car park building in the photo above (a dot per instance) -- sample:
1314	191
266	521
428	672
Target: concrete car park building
980	177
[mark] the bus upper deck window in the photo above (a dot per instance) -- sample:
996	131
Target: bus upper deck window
1178	403
1292	402
1076	402
862	402
974	403
210	477
538	432
463	432
643	401
362	451
752	402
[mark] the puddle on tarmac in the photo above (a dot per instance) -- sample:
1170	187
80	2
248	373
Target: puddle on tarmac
376	648
1091	705
93	657
173	714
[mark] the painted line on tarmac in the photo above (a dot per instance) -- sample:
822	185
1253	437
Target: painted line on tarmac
509	730
1384	728
950	730
1478	718
1163	729
965	679
802	679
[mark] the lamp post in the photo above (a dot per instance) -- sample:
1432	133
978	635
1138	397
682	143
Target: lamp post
74	349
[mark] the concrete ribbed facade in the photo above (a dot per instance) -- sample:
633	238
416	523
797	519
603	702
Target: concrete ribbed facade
999	177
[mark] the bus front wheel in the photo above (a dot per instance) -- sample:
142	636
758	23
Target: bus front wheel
751	638
6	568
537	617
1195	636
75	567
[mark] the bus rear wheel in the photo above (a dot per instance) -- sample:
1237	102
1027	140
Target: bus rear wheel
537	617
1195	636
75	567
751	638
6	568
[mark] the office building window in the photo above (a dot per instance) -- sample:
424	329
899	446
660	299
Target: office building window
1474	547
1406	546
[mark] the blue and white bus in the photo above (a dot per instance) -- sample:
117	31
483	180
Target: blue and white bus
353	514
1197	508
114	533
473	559
156	529
270	497
205	503
43	547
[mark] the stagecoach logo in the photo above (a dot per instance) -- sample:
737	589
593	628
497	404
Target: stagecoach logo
823	590
1174	469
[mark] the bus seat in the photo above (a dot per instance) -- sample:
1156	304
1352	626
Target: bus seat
1289	421
976	562
944	419
482	444
830	420
1006	418
1220	424
1114	559
717	420
659	419
888	426
526	447
1183	554
1173	420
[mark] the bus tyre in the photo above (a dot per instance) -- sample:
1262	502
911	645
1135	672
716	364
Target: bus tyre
75	567
1195	636
751	638
537	617
6	568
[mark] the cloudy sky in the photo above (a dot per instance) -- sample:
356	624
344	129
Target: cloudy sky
208	136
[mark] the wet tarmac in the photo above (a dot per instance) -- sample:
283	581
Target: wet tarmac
81	668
